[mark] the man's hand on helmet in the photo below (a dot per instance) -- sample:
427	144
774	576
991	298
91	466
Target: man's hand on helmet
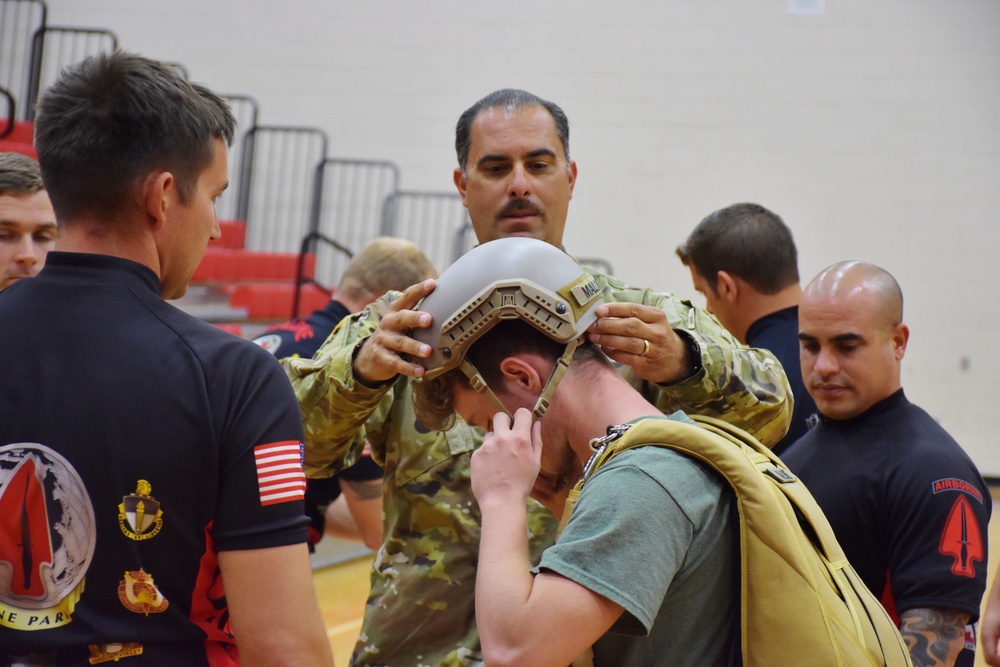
640	336
387	351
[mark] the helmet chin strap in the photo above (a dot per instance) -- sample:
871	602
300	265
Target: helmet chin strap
479	384
542	405
562	364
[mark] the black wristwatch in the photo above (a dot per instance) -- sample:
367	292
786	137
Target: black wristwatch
694	349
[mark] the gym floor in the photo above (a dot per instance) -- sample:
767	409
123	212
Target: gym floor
343	588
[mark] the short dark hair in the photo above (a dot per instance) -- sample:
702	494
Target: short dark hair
111	120
511	98
746	240
20	176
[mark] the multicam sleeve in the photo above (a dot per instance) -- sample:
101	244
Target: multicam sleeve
543	528
744	386
340	413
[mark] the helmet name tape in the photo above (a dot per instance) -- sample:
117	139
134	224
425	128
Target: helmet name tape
581	293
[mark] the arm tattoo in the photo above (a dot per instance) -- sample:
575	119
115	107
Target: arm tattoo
935	637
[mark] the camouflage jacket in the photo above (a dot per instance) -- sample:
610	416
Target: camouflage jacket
421	609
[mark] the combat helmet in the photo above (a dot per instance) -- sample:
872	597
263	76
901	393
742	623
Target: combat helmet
507	279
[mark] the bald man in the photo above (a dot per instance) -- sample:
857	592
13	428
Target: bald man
906	502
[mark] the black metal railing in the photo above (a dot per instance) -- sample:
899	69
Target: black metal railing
277	184
310	244
432	220
8	125
19	21
347	207
246	111
346	215
55	47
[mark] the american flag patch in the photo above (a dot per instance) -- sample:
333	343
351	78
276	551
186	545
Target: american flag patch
279	472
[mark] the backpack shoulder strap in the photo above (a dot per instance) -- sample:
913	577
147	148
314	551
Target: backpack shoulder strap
740	458
787	545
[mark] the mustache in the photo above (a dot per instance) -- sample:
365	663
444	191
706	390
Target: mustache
520	206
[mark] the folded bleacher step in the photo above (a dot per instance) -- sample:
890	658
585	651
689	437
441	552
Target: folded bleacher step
233	265
211	304
273	301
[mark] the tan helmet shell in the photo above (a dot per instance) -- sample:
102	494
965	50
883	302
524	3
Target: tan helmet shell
509	278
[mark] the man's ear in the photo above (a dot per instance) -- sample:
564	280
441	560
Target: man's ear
572	177
900	336
159	189
461	184
726	286
522	373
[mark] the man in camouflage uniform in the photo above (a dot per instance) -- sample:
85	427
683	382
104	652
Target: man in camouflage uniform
516	178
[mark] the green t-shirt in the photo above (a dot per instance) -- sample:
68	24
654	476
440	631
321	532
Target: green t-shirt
653	532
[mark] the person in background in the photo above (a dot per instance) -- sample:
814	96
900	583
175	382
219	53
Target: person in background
349	504
151	476
744	262
516	178
27	221
906	503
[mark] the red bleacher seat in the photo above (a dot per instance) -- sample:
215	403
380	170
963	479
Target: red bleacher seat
28	149
268	301
20	140
232	265
261	285
23	132
233	234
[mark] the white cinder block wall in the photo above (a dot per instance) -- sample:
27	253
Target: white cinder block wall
871	126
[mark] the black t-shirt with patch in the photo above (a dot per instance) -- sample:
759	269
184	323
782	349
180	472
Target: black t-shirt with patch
906	503
136	443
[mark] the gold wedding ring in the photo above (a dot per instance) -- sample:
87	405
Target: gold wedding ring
645	348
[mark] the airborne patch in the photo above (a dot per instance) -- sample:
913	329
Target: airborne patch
954	484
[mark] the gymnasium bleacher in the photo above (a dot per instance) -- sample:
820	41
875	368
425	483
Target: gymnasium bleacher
294	213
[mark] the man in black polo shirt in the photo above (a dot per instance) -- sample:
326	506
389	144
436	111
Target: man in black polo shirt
905	501
151	476
744	261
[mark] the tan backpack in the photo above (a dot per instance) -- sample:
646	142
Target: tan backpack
801	602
